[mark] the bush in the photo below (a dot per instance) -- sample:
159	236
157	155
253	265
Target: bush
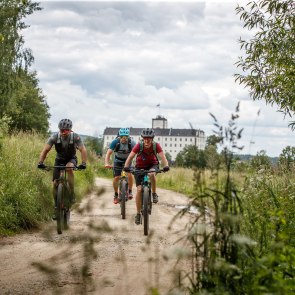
25	191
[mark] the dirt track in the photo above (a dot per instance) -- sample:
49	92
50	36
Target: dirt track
100	253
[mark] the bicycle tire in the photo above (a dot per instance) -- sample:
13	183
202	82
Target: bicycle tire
67	214
59	209
145	210
123	192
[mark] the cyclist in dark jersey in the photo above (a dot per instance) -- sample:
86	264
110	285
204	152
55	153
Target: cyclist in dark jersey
146	159
66	143
121	147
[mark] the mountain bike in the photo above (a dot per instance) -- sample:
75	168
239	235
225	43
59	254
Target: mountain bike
62	198
123	192
146	196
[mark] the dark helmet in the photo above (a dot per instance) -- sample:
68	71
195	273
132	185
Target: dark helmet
65	124
148	132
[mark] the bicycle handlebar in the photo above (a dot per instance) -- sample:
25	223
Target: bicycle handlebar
47	168
134	170
143	171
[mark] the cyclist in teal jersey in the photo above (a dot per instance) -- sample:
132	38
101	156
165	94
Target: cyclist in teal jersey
121	147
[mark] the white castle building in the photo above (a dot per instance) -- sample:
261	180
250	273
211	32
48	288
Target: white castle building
172	140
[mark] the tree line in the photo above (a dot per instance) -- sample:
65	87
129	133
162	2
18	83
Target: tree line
23	105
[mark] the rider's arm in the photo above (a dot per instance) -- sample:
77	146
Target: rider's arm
83	152
163	159
129	159
107	158
44	152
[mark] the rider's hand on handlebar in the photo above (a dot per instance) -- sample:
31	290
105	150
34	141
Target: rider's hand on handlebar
41	165
166	168
82	166
127	169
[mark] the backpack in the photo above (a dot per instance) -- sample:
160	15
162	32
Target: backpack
117	147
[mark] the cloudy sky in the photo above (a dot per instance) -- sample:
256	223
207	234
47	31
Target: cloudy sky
109	64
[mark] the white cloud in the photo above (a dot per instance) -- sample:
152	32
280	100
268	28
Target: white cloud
110	63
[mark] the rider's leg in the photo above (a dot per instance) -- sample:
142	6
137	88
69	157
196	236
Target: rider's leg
55	177
138	198
130	185
70	173
153	181
130	181
116	183
153	184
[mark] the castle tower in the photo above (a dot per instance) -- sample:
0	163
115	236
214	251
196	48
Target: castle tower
159	122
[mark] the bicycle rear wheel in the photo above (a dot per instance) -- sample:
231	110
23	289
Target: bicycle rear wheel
59	209
145	210
123	192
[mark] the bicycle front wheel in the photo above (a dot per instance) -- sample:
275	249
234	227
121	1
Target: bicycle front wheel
66	214
123	192
145	210
59	209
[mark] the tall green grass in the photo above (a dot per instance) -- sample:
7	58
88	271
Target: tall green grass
25	191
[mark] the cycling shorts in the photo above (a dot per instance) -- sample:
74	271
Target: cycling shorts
118	167
62	162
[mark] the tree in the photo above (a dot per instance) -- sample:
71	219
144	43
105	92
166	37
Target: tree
168	157
260	160
28	108
269	63
95	144
287	157
13	56
191	156
21	99
212	140
179	161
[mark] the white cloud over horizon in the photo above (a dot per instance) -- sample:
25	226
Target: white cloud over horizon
110	63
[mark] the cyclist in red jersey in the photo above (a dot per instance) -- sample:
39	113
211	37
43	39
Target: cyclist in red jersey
146	159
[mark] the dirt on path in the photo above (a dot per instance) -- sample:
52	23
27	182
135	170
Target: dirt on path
100	253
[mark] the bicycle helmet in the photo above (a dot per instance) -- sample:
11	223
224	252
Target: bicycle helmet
124	132
65	124
148	132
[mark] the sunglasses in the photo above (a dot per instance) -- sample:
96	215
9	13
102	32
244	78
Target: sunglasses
124	137
65	130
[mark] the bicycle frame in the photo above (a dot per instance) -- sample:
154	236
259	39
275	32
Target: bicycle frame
62	198
146	196
123	191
